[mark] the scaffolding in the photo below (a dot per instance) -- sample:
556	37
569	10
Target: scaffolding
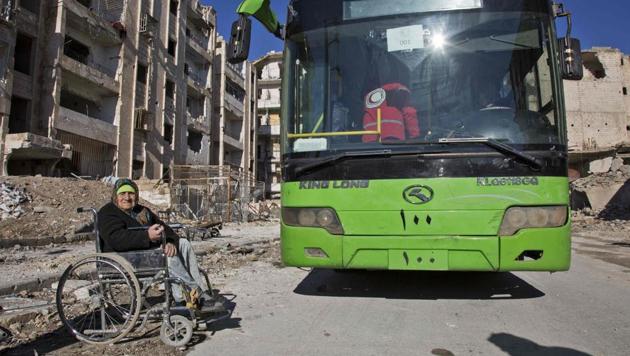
214	194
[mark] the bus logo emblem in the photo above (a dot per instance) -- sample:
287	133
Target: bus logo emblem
418	194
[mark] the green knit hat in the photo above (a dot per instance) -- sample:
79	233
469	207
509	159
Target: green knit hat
125	188
124	185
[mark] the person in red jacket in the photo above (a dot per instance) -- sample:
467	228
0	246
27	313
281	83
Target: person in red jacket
399	121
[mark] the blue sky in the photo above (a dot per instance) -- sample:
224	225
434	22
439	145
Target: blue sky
595	23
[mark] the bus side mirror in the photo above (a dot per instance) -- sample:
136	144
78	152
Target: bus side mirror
238	48
571	58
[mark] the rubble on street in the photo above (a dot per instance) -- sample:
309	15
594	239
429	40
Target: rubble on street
11	200
603	196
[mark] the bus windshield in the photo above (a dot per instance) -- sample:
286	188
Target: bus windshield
367	78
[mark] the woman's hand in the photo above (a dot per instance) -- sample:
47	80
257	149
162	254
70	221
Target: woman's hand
170	250
155	232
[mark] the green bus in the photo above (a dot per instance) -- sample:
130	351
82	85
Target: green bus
426	135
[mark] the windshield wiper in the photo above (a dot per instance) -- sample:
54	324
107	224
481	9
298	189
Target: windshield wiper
500	147
494	38
361	154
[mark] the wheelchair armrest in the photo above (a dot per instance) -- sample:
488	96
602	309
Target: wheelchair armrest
145	259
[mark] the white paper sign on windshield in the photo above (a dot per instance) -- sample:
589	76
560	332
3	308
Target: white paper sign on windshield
405	38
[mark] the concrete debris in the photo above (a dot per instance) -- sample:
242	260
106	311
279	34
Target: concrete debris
616	164
600	166
264	210
604	195
11	199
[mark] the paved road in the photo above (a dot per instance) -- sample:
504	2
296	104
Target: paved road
288	311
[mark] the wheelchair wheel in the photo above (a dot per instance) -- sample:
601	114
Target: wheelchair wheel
99	299
179	334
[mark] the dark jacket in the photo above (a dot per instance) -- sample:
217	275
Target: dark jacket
114	224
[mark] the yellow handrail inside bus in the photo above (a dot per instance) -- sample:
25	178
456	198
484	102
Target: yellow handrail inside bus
343	133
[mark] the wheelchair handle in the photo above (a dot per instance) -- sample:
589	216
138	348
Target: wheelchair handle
81	210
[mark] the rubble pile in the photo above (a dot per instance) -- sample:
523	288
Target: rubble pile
49	213
11	200
267	210
618	173
605	197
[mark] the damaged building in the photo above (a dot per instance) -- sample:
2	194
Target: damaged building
598	111
115	87
268	78
235	135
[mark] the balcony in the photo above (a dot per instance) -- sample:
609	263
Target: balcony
27	20
197	82
234	75
86	126
94	73
232	142
98	20
200	15
234	106
269	83
30	146
270	104
199	45
198	123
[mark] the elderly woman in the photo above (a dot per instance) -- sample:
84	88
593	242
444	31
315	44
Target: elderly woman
123	212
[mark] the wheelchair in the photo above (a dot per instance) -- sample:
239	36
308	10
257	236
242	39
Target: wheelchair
103	297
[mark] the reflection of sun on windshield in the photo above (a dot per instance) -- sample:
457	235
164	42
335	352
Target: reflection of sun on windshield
418	79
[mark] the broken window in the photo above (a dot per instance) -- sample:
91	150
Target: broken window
172	47
593	64
168	133
86	3
170	89
19	119
234	90
173	7
138	170
30	5
195	140
186	69
625	91
23	54
141	75
76	50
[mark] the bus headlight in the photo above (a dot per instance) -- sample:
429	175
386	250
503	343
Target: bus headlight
325	218
518	218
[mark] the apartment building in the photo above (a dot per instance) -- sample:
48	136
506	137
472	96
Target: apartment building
234	137
268	81
105	87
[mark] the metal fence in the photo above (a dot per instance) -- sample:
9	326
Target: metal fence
213	194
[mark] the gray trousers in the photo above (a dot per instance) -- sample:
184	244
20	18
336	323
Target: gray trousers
184	266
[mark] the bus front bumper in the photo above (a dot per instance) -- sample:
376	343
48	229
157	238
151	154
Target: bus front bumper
529	250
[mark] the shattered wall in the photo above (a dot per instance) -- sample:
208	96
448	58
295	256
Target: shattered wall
597	109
